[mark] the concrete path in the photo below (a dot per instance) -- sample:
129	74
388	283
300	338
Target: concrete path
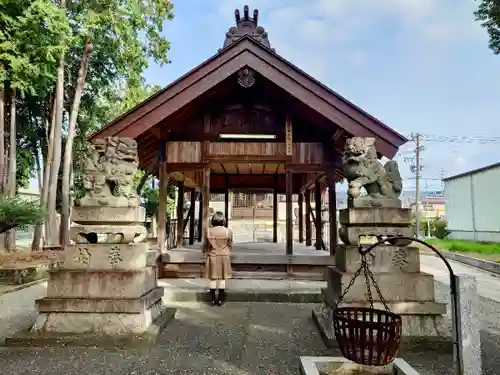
17	309
488	284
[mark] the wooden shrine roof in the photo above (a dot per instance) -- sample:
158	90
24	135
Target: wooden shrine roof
195	90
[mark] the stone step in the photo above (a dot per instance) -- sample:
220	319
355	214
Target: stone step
245	290
316	276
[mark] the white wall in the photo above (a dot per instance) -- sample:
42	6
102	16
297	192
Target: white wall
473	206
216	206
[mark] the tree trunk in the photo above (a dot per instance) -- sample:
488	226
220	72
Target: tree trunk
36	155
3	168
68	151
51	225
43	227
11	234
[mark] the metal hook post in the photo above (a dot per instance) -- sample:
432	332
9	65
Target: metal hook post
455	316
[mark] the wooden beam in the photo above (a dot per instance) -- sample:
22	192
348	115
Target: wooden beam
206	201
301	218
180	215
317	206
289	214
162	208
289	135
200	217
332	211
275	209
226	201
307	194
191	217
256	159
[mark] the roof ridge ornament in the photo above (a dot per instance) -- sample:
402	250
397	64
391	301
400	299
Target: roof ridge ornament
246	26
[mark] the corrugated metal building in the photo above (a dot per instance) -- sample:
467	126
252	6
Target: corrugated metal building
473	204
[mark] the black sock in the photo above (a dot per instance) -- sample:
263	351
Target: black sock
222	296
213	296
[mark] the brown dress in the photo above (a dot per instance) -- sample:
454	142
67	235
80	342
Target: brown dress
219	245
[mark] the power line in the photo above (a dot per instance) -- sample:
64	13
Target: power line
478	139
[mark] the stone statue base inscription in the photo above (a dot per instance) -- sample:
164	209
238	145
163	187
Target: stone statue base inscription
106	289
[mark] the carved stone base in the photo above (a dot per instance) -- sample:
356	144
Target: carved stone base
369	202
351	235
374	222
113	234
108	200
109	323
394	287
65	283
384	258
105	256
105	214
373	216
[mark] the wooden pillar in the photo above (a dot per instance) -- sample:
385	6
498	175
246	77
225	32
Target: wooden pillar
162	207
205	204
226	200
275	209
200	217
180	215
191	217
307	195
289	213
317	224
332	211
301	218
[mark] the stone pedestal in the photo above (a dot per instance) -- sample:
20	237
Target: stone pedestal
107	286
360	222
396	269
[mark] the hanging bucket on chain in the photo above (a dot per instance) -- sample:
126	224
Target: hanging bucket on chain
367	336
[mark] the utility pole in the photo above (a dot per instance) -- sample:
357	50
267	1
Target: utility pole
442	182
416	168
417	184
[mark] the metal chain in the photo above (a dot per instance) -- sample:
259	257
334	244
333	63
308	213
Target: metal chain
356	274
366	271
368	274
377	288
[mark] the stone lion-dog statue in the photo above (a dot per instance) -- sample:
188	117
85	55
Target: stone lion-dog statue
362	169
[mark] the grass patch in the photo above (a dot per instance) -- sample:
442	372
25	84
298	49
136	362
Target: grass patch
466	246
480	250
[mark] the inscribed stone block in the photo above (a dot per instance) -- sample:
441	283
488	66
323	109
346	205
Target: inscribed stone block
469	324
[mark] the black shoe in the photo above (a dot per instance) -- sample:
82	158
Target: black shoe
213	296
222	297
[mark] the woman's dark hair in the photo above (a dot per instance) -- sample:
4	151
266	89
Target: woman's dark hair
218	219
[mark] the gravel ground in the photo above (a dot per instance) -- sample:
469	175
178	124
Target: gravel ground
237	339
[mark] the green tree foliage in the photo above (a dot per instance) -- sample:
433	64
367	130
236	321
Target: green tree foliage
125	35
32	35
16	213
151	199
27	65
435	227
488	14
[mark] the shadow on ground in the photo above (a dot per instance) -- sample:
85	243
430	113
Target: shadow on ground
237	339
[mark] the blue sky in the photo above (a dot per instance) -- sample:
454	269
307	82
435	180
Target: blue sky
418	65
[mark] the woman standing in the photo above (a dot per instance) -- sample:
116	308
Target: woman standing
218	263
